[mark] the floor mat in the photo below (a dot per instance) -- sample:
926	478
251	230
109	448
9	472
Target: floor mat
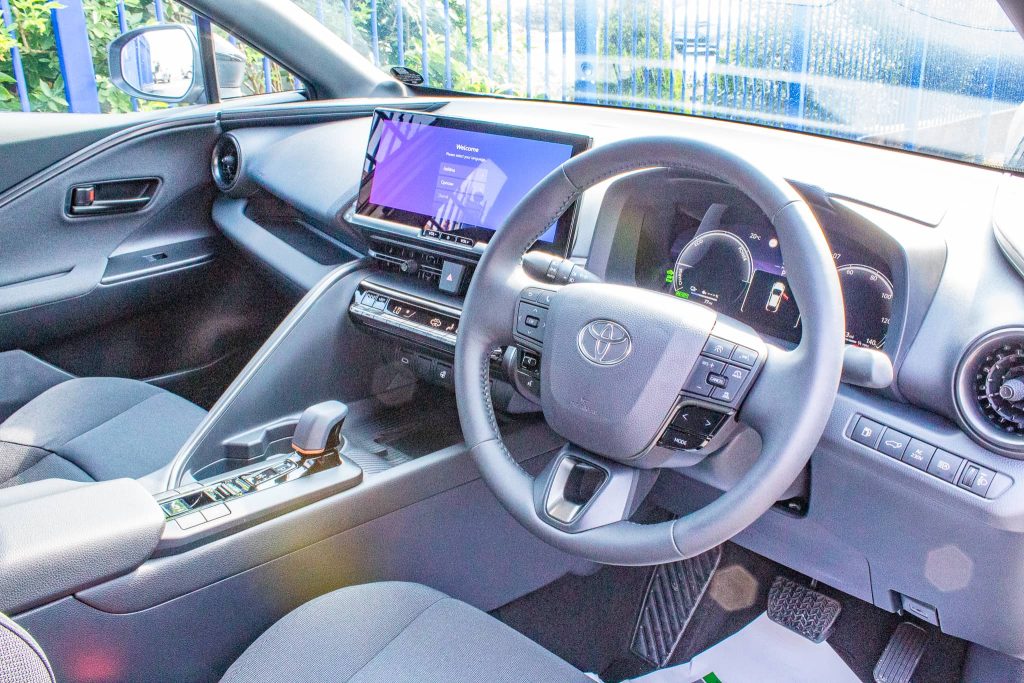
761	652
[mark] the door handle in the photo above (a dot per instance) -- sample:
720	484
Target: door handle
110	206
110	197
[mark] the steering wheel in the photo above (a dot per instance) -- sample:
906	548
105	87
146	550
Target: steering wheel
621	365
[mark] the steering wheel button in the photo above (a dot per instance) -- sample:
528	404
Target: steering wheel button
726	395
718	347
919	454
681	440
736	376
698	385
536	295
893	443
708	365
698	420
531	321
744	356
719	381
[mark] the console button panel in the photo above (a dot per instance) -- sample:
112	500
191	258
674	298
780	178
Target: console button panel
405	316
924	456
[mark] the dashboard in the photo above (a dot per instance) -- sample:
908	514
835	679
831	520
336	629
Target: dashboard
924	282
733	264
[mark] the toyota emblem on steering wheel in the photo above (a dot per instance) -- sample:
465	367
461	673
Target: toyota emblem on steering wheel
604	342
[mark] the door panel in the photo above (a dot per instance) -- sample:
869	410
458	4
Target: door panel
153	292
46	255
33	142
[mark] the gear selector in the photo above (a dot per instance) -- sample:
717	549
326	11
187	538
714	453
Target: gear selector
319	429
227	500
317	443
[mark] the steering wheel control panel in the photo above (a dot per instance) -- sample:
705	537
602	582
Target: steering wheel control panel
692	428
720	378
722	371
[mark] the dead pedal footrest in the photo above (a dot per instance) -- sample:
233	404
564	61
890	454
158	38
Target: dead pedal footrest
802	609
672	596
902	654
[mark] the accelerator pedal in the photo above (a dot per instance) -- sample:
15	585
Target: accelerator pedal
672	596
901	656
802	609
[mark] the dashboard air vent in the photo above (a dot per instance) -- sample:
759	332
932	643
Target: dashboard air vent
225	162
421	263
990	390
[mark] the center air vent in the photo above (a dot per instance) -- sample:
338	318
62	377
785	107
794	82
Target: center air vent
990	390
225	162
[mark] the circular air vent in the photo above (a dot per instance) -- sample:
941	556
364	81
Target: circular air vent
990	389
225	162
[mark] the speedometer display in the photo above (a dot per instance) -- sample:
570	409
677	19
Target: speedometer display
868	297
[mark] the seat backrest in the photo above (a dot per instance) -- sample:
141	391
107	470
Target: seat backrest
21	658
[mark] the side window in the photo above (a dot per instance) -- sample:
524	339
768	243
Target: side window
53	58
260	75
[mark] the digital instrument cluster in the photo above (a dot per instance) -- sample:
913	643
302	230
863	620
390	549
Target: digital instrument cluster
737	269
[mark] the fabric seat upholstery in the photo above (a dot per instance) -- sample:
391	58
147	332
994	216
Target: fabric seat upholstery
95	429
395	632
21	659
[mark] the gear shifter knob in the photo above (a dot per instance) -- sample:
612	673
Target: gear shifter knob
319	428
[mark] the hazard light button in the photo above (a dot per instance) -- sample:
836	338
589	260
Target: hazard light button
452	275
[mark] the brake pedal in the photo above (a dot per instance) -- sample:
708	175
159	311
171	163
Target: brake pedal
802	609
672	596
901	656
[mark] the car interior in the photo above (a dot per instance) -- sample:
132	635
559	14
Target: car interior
376	380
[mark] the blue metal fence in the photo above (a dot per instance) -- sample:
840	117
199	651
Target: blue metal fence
864	68
74	53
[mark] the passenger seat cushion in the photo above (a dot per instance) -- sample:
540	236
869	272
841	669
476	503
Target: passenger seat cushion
21	659
395	632
95	429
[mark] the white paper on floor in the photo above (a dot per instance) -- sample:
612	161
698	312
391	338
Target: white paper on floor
761	652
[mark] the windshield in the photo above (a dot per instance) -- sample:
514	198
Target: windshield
944	77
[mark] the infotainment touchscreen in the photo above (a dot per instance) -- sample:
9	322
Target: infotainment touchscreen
457	180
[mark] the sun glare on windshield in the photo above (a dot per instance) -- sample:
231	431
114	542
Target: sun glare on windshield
939	76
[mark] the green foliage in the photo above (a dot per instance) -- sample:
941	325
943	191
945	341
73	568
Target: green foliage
32	33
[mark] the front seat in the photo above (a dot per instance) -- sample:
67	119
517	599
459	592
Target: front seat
95	429
377	632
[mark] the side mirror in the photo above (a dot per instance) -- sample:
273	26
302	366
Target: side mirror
159	63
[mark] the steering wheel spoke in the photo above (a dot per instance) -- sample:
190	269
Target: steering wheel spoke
578	490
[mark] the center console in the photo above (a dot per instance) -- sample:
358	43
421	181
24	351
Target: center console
317	465
434	191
